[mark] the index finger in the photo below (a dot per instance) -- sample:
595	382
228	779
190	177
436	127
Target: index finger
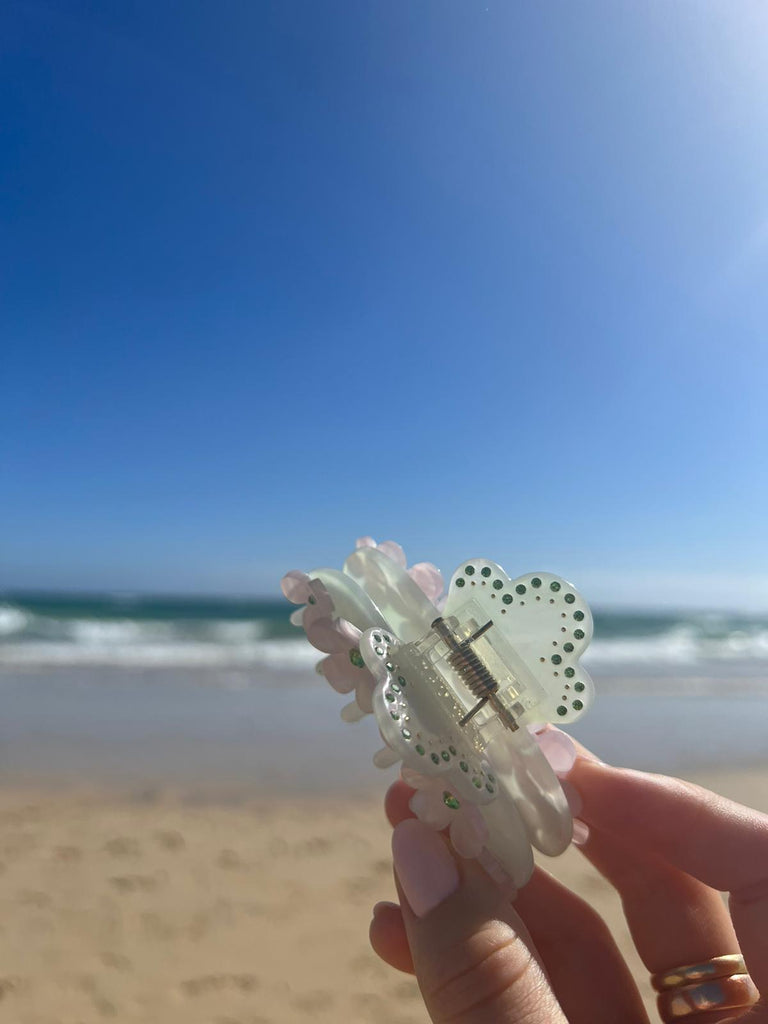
722	843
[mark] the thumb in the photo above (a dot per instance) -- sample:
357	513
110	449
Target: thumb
473	957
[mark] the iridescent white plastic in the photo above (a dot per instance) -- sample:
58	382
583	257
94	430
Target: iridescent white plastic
460	722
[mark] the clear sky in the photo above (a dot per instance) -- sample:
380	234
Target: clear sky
486	277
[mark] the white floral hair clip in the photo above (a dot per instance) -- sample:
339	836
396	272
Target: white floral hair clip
460	686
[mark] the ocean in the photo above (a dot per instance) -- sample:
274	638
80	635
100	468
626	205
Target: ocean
131	631
223	690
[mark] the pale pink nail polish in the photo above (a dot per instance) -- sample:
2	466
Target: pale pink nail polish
580	832
425	868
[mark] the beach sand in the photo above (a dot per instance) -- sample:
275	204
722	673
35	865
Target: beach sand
163	906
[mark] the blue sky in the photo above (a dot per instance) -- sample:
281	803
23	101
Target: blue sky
488	278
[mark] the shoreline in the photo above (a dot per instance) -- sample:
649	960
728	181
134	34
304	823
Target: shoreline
283	735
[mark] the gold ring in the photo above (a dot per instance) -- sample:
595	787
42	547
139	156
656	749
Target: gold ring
707	970
735	992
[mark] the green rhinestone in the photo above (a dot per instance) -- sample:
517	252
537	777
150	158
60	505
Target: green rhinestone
477	783
562	710
401	680
395	687
419	750
445	755
489	787
405	733
554	585
356	658
387	639
450	801
556	659
389	666
390	696
569	598
452	750
535	582
491	778
377	638
435	758
520	588
507	599
379	650
578	705
579	634
464	766
570	673
579	687
459	582
395	715
312	600
485	571
578	616
497	584
568	647
470	570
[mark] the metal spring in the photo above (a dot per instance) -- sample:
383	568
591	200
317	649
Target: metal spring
473	672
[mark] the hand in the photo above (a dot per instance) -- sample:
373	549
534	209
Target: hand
668	847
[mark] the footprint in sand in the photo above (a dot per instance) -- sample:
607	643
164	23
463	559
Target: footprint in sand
122	846
313	1002
229	860
116	961
212	983
170	840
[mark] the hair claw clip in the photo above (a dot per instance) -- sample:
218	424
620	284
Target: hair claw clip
458	685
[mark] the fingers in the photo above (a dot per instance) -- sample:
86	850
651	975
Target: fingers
586	970
692	832
674	919
471	952
388	937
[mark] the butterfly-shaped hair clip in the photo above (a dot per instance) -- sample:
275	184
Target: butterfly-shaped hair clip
460	685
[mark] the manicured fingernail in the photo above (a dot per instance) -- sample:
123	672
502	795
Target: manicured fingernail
383	905
580	832
425	868
558	748
575	803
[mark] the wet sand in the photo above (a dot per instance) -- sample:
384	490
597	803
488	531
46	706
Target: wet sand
178	906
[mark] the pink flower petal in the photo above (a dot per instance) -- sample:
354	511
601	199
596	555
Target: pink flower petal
319	597
349	632
297	616
392	550
351	712
468	831
295	586
364	688
428	806
428	578
340	672
365	542
323	635
385	757
558	748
